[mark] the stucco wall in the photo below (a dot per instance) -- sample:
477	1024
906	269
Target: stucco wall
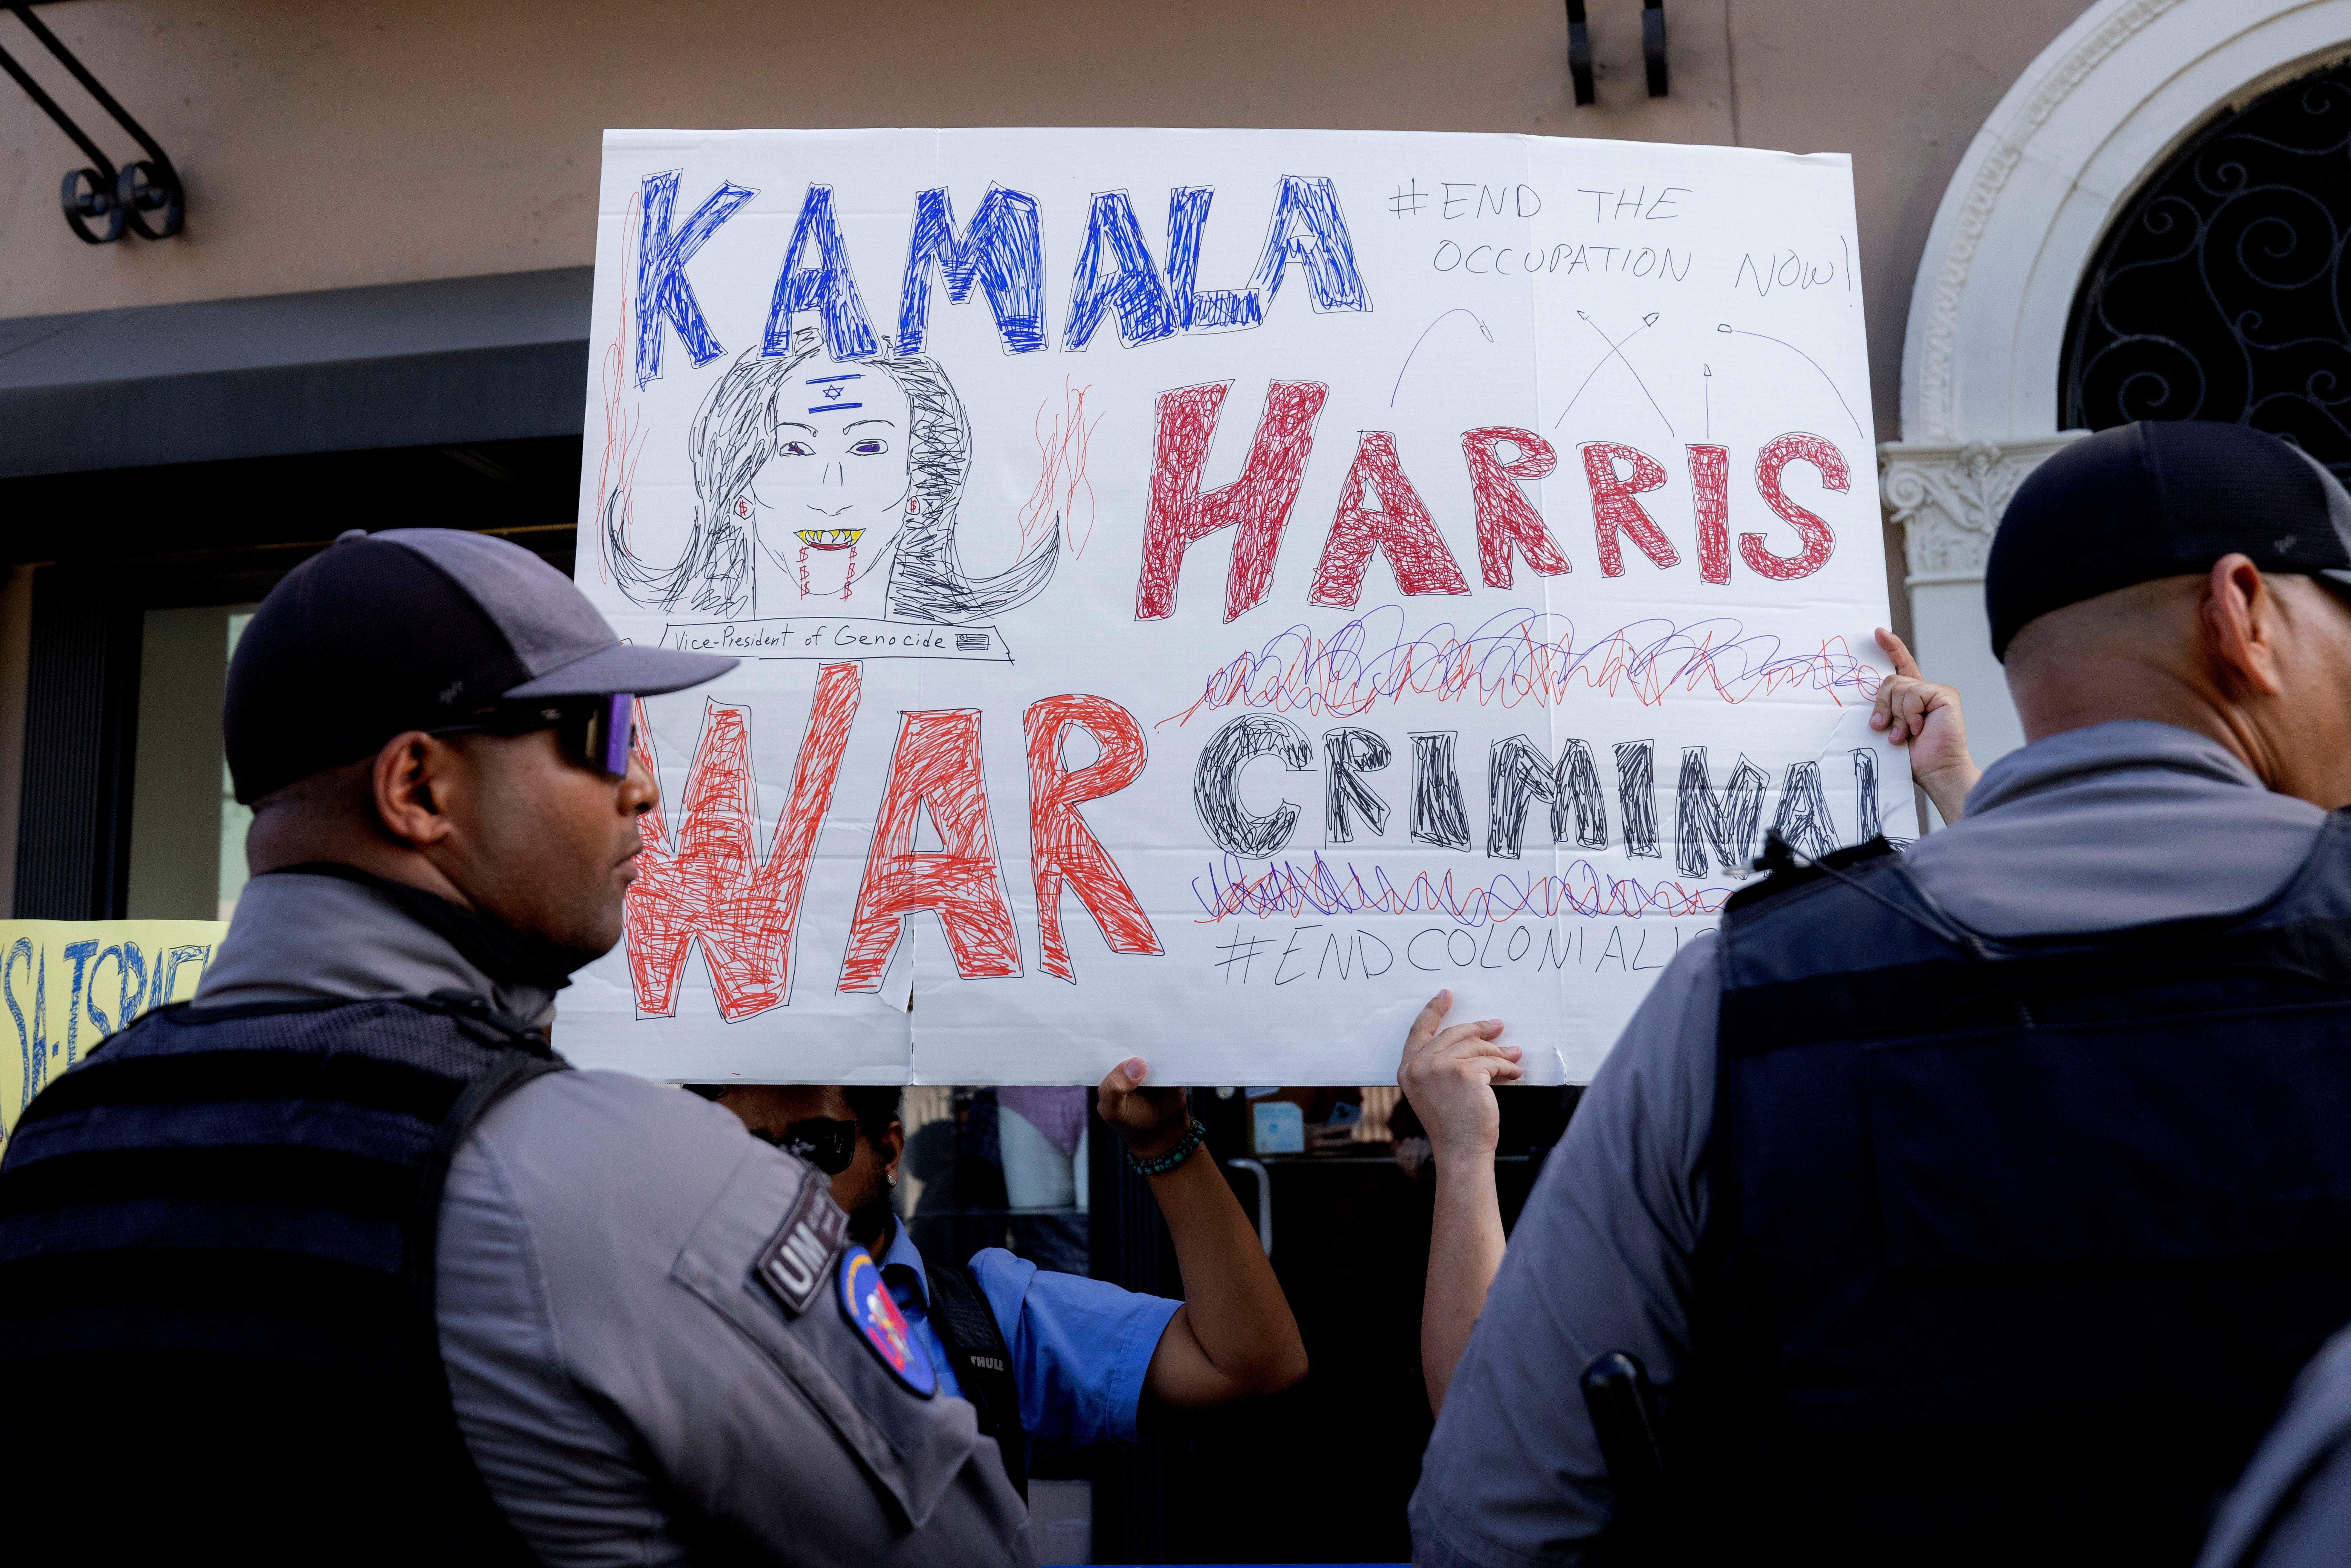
326	145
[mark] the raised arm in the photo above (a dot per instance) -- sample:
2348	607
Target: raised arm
1450	1074
1234	1337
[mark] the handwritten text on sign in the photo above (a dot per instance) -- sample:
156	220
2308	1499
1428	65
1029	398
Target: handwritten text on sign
68	984
1200	592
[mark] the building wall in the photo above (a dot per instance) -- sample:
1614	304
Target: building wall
325	146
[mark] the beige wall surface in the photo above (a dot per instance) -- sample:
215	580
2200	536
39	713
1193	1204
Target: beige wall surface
330	145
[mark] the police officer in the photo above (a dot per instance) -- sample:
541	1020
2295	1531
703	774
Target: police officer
1054	1361
339	1263
1980	1203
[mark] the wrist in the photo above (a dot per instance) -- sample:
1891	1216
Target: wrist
1948	788
1152	1141
1178	1149
1959	776
1465	1165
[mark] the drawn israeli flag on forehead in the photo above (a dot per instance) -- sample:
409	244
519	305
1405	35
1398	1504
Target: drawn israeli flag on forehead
833	392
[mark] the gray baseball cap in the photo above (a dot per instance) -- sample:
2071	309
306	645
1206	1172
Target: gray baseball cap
417	629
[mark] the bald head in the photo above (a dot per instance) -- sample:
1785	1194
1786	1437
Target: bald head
2259	661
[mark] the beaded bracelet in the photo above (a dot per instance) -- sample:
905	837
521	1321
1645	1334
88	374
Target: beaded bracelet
1163	1164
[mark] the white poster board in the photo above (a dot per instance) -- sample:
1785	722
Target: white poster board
1200	592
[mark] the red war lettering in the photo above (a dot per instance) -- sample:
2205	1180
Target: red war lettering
938	764
1506	519
1257	504
1416	552
1819	540
1061	848
1615	508
705	886
1710	472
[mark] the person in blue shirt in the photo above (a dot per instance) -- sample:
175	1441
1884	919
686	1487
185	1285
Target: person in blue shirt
1052	1361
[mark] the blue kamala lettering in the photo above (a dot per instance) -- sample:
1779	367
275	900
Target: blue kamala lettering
1308	229
1198	311
829	288
662	291
1115	272
1002	251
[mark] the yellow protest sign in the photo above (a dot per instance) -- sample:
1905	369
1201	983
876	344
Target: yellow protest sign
68	984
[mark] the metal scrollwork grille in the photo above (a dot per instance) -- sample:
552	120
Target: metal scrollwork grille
2220	295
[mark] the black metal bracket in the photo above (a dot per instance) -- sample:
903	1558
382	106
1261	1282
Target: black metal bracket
1653	49
1578	51
104	194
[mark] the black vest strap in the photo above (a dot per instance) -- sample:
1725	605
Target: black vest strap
967	1325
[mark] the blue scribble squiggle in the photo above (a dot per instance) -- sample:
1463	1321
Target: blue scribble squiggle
1289	890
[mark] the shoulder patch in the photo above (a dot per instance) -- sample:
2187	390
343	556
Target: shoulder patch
865	1302
793	1266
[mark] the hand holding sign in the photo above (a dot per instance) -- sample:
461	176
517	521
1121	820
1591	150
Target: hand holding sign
1914	712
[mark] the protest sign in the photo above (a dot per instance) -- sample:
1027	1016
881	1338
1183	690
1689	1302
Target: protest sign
1200	592
68	984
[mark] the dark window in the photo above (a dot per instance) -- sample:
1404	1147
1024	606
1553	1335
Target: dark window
2219	293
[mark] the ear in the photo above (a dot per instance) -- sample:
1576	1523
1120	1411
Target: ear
2242	625
892	1148
410	784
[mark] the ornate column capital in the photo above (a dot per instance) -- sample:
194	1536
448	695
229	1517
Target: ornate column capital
1950	499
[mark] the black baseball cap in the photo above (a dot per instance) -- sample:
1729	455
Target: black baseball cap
416	629
2160	498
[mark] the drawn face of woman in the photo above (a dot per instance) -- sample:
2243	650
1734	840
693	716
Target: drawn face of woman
830	501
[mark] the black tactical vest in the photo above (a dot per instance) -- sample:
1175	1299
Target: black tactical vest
967	1325
216	1285
2014	1246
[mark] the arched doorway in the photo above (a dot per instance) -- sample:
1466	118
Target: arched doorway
2219	293
2043	206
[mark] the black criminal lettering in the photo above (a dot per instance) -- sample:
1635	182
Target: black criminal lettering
1216	792
1348	754
1637	796
1729	823
1438	817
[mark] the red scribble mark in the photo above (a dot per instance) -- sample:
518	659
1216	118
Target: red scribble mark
624	432
1710	470
1402	528
1291	890
1522	655
1062	472
1615	508
705	886
1257	504
1819	540
1506	519
1061	846
938	764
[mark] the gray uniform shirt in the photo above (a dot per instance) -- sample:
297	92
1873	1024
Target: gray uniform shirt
629	1392
2092	830
2293	1507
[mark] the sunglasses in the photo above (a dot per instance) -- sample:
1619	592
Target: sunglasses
827	1145
595	732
